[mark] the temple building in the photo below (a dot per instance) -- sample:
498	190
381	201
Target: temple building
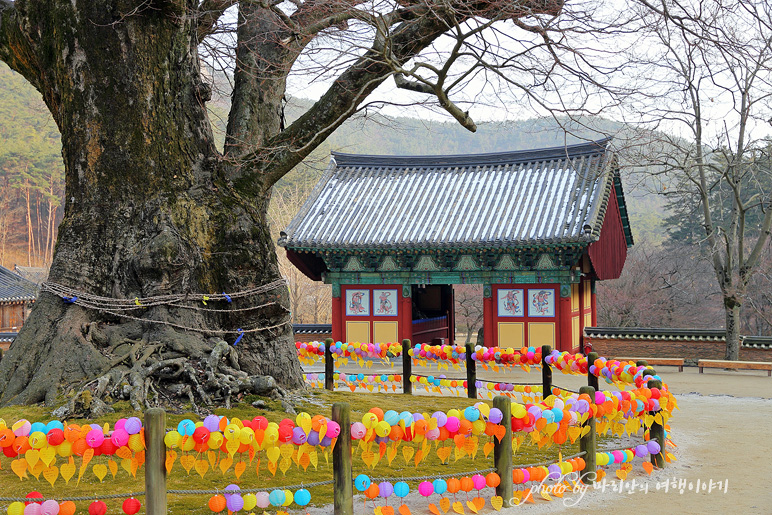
393	234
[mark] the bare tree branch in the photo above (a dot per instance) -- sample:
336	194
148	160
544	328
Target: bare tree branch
208	14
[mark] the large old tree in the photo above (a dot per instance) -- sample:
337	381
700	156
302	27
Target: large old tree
164	258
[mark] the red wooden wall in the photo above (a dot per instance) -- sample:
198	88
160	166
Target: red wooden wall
608	254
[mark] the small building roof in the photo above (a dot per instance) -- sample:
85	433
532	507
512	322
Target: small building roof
14	287
7	337
455	202
36	274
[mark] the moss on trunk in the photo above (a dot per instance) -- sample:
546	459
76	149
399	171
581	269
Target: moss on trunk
149	207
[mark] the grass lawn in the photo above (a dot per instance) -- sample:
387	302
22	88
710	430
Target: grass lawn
318	402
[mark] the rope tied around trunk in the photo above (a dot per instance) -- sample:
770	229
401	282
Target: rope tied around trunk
122	308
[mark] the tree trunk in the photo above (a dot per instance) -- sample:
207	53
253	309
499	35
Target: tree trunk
30	240
150	211
50	223
732	309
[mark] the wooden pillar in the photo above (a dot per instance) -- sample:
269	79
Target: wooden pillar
343	481
337	314
329	366
471	372
563	341
407	367
452	316
490	331
502	451
657	430
546	372
592	380
405	314
588	443
583	284
155	461
594	303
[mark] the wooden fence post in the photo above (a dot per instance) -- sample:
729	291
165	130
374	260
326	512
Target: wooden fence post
588	443
329	365
592	380
471	373
502	451
155	461
343	481
407	367
546	372
657	430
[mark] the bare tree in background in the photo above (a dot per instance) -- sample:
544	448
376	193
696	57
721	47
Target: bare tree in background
469	308
155	212
310	301
707	80
660	287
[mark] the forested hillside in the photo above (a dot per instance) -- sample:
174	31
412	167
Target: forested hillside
31	174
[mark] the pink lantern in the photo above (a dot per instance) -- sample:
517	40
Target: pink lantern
426	489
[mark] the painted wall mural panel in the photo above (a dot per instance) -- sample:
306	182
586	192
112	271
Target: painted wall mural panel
385	303
541	302
358	303
510	303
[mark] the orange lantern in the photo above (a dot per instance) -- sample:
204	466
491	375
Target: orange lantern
467	484
454	485
492	480
72	433
317	422
6	437
79	447
372	492
378	412
217	503
21	444
67	508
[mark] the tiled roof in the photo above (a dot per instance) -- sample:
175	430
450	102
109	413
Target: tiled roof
14	287
36	274
673	334
655	333
554	195
312	328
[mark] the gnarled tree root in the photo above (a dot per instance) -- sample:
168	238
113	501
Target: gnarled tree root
151	373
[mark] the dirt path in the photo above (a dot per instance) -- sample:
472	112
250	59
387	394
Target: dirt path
723	433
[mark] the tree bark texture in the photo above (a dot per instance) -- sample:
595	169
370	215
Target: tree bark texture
150	210
732	309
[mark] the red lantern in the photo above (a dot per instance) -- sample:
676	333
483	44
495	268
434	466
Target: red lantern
131	506
34	495
97	508
55	437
